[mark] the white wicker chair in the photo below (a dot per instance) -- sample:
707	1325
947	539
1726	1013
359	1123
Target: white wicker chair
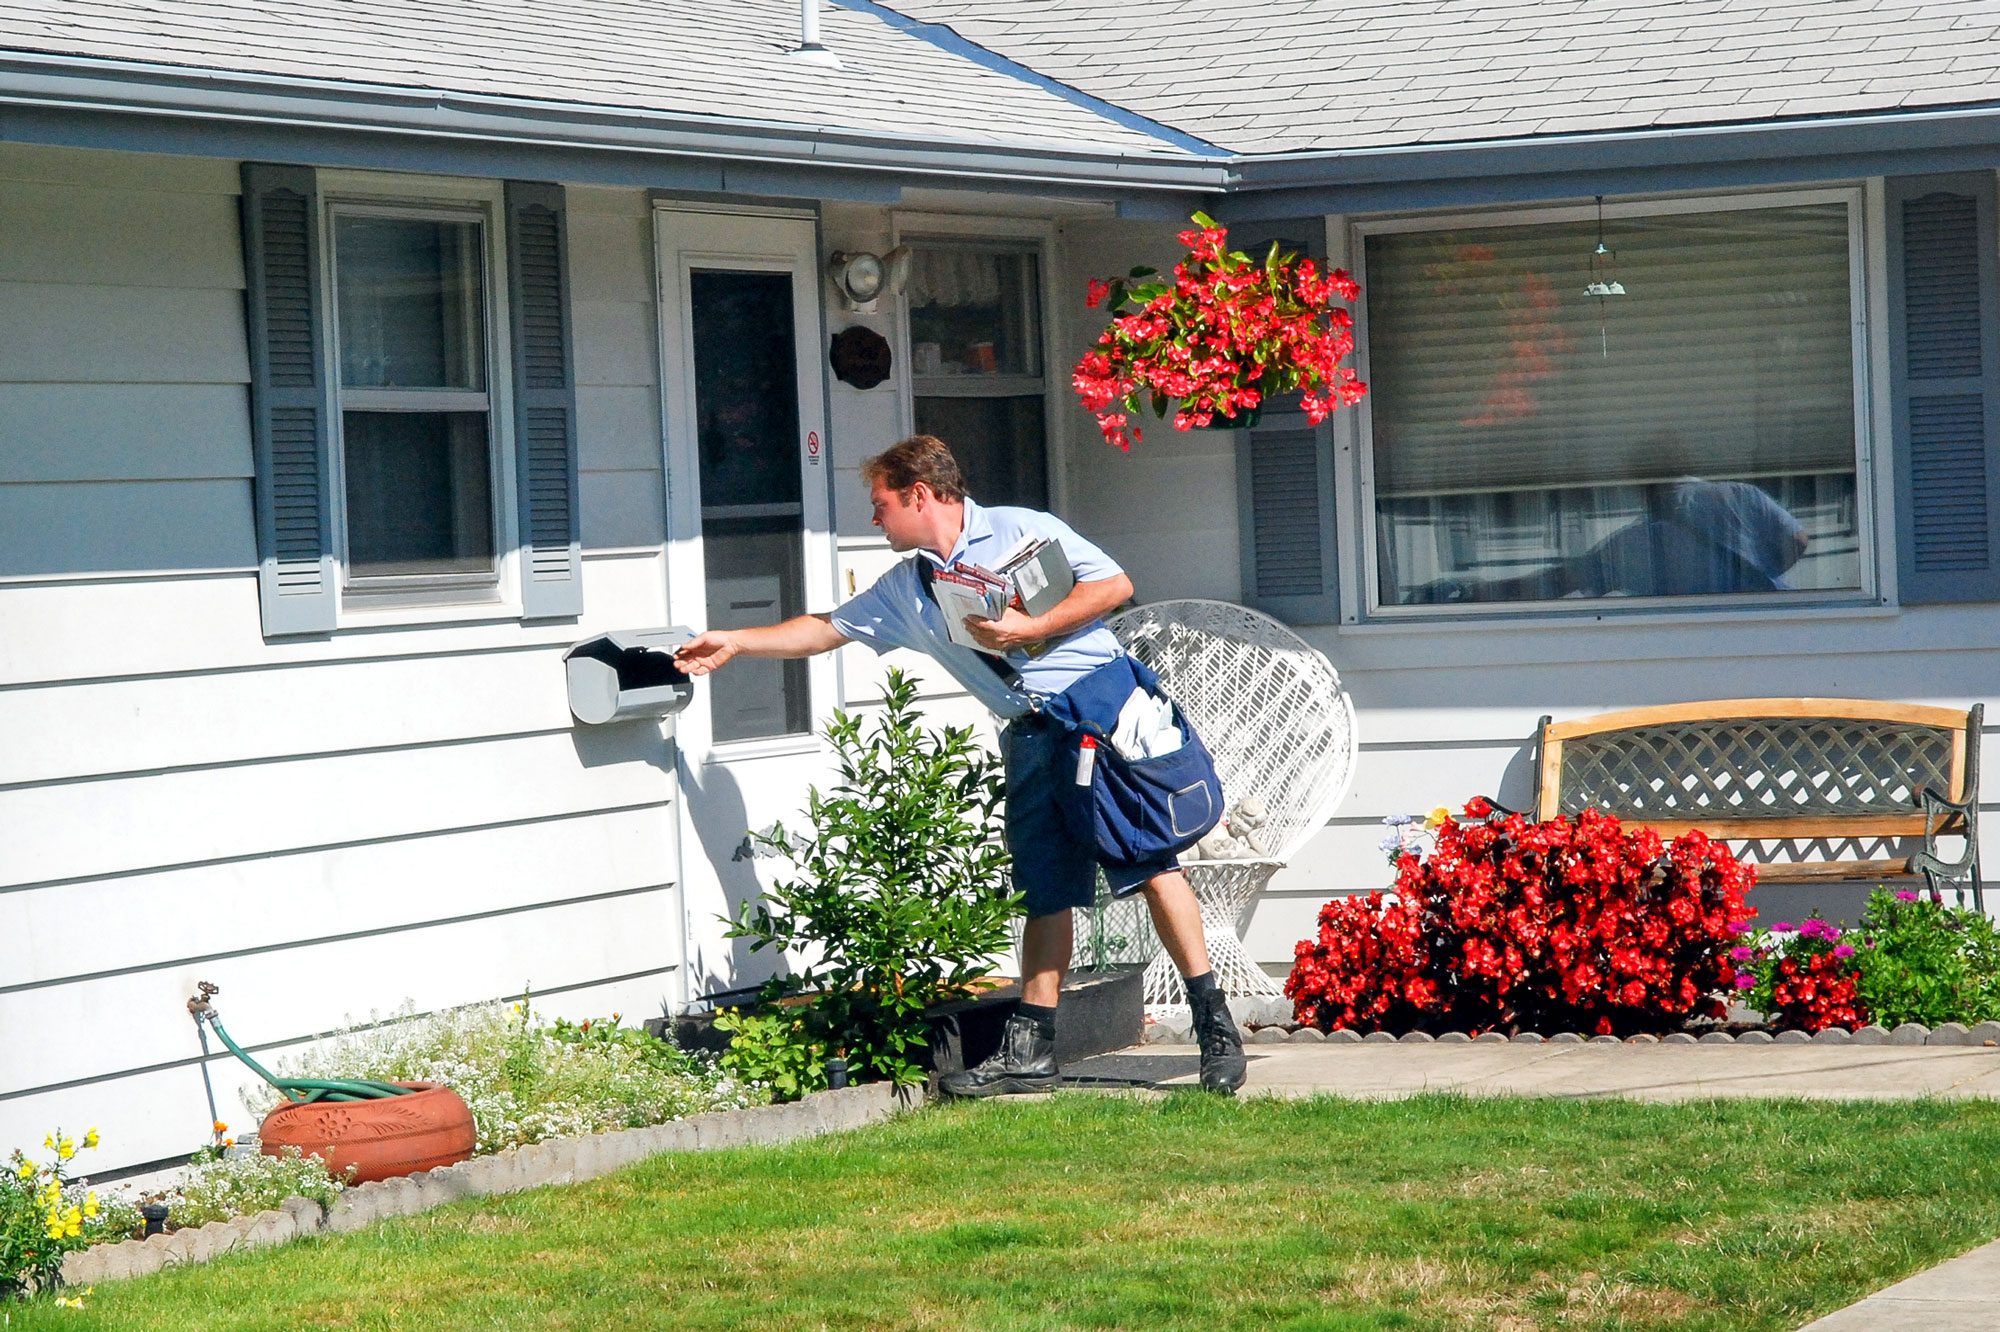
1270	708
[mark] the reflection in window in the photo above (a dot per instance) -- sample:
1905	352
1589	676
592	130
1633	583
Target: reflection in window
409	292
1692	437
976	364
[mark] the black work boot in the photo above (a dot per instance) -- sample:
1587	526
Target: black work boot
1222	1064
1025	1062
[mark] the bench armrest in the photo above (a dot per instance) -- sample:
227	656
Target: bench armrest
1935	868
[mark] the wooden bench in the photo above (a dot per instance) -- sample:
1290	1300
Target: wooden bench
1821	771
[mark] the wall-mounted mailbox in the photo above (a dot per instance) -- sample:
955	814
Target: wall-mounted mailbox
627	674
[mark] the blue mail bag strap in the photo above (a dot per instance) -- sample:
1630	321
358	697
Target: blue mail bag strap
1135	811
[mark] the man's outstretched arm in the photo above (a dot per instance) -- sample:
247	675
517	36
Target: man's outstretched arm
800	636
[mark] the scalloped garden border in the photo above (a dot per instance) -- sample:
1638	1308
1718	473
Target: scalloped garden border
556	1161
1909	1033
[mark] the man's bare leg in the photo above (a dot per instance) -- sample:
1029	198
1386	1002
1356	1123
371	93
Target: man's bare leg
1177	919
1046	945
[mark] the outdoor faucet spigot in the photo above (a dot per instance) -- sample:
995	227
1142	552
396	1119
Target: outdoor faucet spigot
197	1005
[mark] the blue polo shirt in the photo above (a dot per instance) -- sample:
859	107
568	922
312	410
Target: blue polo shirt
896	611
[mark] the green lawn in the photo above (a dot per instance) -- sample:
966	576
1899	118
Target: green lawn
1091	1211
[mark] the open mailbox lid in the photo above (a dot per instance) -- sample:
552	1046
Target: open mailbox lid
627	674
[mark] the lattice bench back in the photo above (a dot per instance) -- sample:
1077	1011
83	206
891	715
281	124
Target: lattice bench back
1794	769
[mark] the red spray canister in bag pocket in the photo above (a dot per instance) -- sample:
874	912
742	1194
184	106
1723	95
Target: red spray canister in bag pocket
1086	760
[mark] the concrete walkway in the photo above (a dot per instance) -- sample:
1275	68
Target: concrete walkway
1962	1295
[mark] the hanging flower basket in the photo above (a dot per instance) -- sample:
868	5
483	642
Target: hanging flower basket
1208	343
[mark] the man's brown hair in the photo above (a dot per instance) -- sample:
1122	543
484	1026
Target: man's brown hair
922	458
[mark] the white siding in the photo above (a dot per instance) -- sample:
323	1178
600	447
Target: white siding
1449	711
326	828
1167	509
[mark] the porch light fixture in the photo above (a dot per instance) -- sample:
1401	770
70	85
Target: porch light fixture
1603	281
862	279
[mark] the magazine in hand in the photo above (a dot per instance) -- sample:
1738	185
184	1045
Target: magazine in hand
1036	572
1035	575
959	594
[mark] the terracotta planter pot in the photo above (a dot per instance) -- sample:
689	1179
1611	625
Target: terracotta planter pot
398	1135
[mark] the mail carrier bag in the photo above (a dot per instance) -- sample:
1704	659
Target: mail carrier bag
1135	811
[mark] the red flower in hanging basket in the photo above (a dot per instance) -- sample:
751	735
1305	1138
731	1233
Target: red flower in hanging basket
1210	342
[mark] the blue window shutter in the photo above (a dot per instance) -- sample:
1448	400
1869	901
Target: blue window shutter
1284	480
295	568
1284	486
1944	302
544	400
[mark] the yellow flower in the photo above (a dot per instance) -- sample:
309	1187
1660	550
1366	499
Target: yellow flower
90	1139
56	1229
66	1302
27	1170
73	1222
66	1148
50	1142
90	1208
1437	817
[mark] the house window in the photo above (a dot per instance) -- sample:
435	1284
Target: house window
414	418
976	364
1692	437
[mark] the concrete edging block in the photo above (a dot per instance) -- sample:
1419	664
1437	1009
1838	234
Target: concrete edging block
555	1161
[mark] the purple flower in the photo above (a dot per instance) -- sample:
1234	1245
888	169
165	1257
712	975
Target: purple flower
1905	895
1744	980
1389	843
1843	950
1782	927
1742	953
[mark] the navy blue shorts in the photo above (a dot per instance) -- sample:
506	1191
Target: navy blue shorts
1053	869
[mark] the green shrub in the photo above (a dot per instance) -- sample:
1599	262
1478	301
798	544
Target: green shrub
902	893
217	1187
1921	961
775	1049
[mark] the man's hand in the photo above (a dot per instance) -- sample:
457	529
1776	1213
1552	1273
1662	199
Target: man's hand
1012	631
707	652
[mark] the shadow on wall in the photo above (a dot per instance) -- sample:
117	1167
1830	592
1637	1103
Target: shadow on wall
720	818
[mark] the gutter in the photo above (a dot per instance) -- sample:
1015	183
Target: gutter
108	103
72	87
1853	134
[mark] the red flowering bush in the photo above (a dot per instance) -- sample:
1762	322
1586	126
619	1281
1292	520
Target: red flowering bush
1807	980
1515	925
1219	335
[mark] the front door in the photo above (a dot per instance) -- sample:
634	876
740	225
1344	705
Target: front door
749	542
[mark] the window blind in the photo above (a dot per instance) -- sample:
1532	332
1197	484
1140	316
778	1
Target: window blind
1729	355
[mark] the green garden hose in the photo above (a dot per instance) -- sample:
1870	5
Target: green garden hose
299	1091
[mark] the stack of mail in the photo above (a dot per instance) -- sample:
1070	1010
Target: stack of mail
1146	727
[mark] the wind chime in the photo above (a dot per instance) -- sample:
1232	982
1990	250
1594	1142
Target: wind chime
1603	282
